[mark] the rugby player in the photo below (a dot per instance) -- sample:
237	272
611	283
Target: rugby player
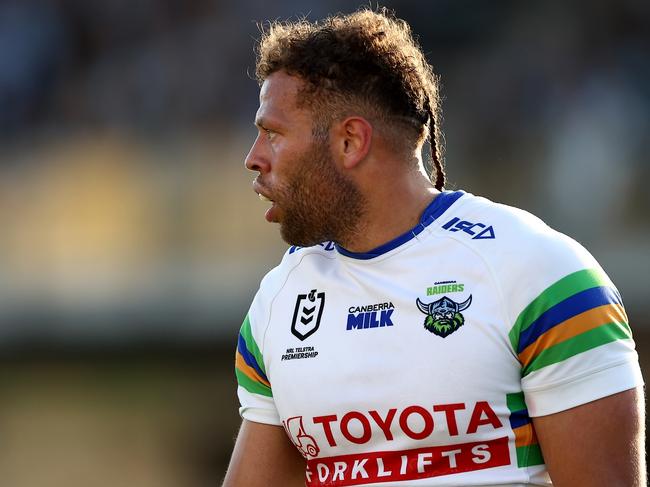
413	336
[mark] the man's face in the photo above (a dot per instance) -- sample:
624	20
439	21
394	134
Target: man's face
311	199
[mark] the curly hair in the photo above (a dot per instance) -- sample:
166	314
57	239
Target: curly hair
366	61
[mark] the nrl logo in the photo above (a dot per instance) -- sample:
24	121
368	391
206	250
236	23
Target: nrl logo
307	314
443	316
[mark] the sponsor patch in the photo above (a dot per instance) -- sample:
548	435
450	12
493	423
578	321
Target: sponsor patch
370	316
398	466
478	231
393	465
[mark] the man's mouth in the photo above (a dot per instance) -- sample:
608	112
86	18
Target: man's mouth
271	213
260	190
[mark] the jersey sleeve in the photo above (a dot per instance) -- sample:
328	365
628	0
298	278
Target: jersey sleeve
253	385
571	336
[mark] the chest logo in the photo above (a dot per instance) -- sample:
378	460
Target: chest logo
479	231
307	314
444	315
370	316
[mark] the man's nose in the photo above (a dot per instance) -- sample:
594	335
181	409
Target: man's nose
256	159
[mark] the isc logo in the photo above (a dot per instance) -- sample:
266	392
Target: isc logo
479	231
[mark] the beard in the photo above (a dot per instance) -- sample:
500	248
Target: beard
318	203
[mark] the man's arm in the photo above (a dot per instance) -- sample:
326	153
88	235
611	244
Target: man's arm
264	456
598	444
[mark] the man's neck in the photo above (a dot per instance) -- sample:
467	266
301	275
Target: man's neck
388	217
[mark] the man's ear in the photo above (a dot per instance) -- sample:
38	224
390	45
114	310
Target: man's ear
352	139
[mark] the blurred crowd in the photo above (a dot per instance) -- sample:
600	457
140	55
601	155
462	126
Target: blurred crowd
126	211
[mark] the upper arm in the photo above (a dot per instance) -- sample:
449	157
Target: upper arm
264	456
598	444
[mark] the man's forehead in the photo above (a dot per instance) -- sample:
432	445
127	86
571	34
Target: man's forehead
279	95
280	85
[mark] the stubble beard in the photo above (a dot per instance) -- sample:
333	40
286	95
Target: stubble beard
319	203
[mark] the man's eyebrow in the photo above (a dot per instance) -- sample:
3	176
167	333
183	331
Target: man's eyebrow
263	122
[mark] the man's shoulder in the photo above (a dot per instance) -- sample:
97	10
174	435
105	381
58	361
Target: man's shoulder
291	262
489	226
520	249
473	215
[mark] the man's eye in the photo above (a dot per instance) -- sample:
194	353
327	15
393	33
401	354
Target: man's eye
269	133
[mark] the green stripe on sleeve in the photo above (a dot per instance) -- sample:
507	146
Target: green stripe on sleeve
252	386
516	401
251	345
596	337
529	455
556	293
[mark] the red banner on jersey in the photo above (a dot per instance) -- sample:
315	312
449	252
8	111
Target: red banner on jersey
394	466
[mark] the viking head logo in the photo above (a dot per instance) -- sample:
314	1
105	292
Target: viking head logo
443	316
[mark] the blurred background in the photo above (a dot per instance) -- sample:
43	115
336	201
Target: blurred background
131	242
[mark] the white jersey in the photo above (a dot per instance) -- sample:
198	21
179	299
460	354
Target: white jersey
422	362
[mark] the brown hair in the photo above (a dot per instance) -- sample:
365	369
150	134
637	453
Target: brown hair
364	61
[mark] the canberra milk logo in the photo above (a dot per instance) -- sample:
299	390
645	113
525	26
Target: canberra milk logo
370	316
307	314
444	315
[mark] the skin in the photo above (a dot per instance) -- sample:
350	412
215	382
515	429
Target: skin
355	155
263	457
599	444
316	202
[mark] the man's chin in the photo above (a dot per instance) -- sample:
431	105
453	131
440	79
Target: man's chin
290	236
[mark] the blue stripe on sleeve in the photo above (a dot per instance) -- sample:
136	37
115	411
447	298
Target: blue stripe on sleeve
248	357
519	418
570	307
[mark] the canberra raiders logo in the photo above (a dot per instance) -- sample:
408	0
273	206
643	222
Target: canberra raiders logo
443	316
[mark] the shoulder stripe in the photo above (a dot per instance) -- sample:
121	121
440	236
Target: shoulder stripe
593	338
251	385
554	294
249	360
249	371
250	344
588	320
570	307
249	363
